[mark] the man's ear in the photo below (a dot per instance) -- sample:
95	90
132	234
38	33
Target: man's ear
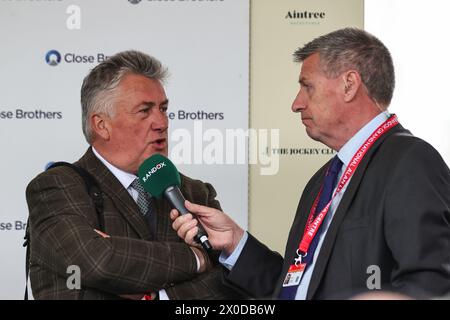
100	124
351	84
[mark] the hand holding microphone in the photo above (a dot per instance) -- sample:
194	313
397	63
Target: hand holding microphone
160	177
223	233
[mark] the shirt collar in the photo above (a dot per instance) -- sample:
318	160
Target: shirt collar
124	178
351	147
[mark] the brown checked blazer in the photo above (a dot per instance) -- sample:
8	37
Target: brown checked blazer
62	221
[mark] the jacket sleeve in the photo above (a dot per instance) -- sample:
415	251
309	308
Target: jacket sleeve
417	222
62	235
257	269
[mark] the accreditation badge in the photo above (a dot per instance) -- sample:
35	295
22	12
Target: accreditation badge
294	275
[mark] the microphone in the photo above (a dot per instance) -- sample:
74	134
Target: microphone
160	177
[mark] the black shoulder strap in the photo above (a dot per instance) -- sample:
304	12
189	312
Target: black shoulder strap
92	189
94	192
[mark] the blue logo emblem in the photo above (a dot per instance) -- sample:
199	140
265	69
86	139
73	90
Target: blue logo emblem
53	58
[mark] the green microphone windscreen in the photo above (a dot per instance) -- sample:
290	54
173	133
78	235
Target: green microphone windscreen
157	173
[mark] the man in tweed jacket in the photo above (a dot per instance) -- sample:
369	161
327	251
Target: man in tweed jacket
124	120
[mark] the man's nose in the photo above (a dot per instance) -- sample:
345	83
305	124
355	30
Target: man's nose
298	104
160	121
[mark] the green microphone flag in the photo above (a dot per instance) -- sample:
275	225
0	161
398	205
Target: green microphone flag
158	173
160	177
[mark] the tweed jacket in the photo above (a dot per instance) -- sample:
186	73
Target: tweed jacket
62	220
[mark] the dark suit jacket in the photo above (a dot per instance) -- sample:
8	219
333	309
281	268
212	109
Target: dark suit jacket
395	214
62	219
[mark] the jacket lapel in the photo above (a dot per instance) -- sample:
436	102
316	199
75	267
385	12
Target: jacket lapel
298	226
118	194
328	243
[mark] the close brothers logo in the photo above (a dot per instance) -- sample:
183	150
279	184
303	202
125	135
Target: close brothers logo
54	58
16	225
153	171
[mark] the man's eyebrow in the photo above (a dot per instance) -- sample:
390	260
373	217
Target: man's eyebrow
148	104
151	104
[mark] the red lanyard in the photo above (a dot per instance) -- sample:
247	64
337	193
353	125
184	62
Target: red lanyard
313	226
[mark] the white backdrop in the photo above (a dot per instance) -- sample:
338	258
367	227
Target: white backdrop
203	43
416	33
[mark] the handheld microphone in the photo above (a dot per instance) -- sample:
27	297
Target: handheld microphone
160	177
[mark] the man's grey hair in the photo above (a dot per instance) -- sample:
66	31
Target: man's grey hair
352	48
99	89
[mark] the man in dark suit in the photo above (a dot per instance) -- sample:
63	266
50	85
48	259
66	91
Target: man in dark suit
376	216
124	120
